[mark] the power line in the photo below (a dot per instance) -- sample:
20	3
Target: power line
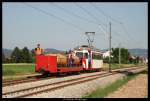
86	11
83	18
52	15
116	38
101	11
73	14
108	16
89	14
56	17
124	28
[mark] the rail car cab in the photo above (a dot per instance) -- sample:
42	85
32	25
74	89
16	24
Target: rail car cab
88	62
45	64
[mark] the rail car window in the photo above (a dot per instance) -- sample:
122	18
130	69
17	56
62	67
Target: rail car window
79	54
86	55
97	56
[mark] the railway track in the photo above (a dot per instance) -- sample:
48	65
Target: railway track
29	79
58	85
23	80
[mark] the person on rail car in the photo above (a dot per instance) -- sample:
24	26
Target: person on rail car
38	50
70	59
89	58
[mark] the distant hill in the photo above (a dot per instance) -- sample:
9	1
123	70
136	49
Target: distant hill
52	50
139	52
135	52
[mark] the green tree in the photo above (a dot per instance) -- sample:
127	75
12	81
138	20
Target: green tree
15	56
33	55
26	56
124	55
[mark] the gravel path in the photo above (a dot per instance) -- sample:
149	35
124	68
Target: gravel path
136	88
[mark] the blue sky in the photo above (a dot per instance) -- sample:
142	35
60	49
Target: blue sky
24	25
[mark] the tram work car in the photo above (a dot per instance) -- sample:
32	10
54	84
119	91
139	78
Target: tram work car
82	61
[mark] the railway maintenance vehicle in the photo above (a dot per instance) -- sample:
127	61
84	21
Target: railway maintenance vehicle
76	61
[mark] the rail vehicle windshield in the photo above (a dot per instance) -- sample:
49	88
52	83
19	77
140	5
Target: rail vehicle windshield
79	54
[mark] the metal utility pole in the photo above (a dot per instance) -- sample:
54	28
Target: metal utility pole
90	36
110	48
119	55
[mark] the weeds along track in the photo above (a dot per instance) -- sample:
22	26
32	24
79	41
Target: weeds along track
58	85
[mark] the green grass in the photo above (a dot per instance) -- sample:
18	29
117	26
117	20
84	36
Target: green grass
116	66
17	69
102	92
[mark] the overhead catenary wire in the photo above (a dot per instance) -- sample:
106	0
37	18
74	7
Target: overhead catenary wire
54	16
94	17
114	20
125	30
97	19
73	14
89	13
83	18
65	21
108	16
116	38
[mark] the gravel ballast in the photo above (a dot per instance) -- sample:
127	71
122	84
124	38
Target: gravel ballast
74	91
79	90
42	82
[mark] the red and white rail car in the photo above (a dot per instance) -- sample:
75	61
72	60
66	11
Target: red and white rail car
92	64
48	64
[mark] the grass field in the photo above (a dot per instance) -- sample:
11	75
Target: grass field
103	92
116	66
17	69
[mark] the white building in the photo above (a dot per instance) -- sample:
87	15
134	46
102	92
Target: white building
106	54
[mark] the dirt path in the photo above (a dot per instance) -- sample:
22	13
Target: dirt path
136	88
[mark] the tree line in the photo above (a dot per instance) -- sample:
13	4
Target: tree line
26	56
19	56
124	54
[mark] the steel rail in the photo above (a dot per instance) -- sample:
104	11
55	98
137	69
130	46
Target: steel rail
55	83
